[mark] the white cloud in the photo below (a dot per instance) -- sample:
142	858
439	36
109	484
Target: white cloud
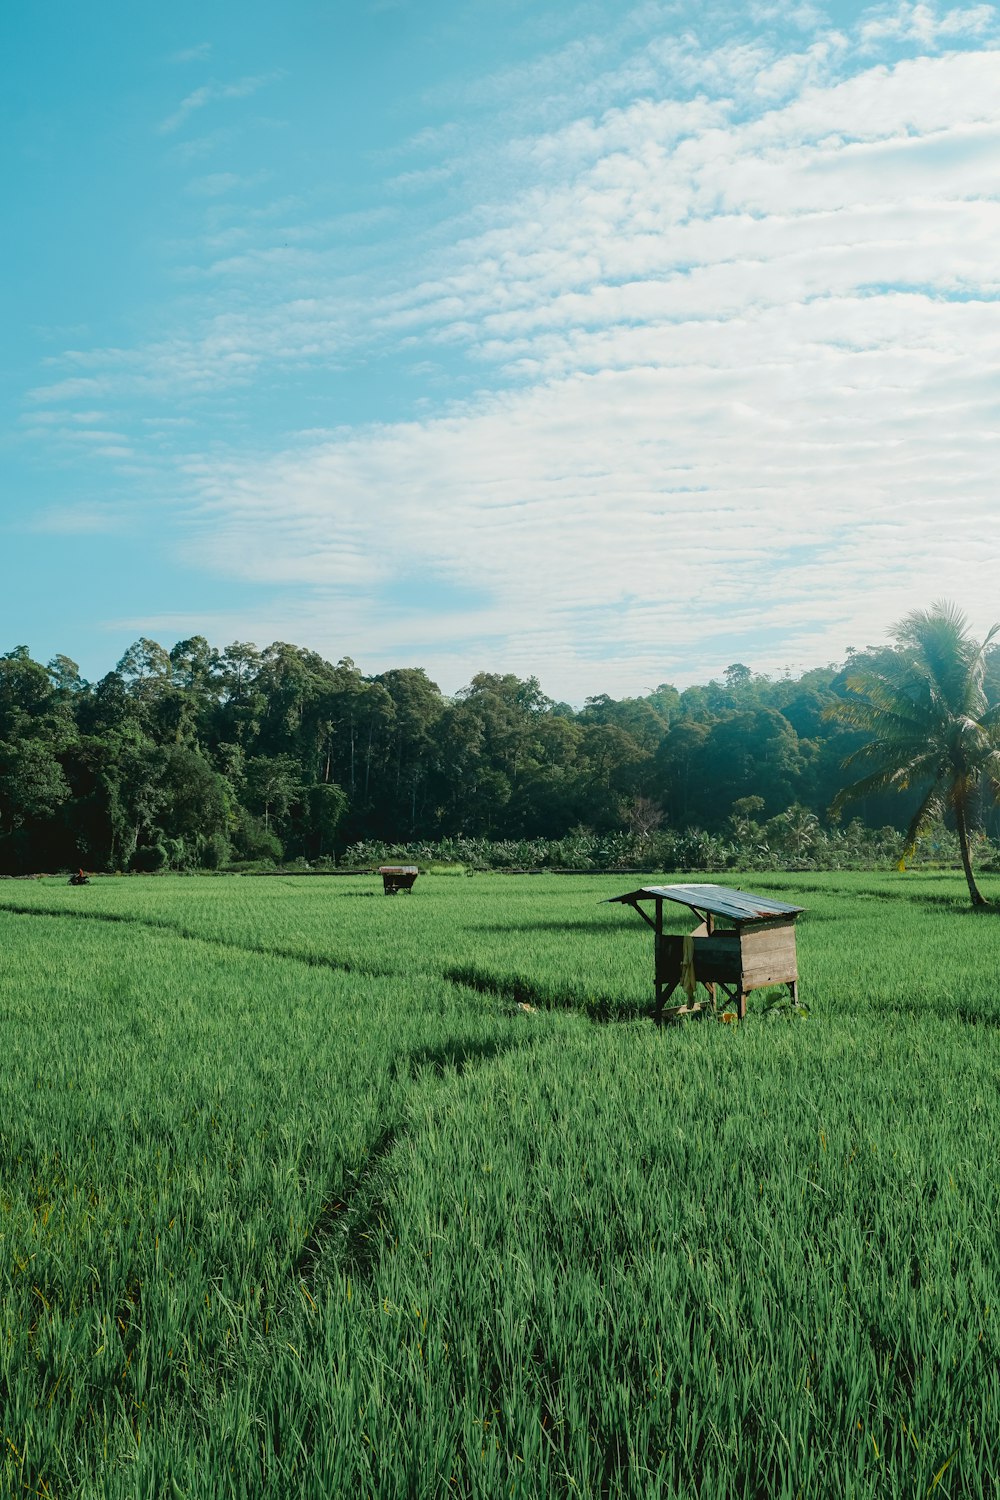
210	93
71	387
657	209
627	510
925	24
727	382
77	520
215	184
198	53
738	342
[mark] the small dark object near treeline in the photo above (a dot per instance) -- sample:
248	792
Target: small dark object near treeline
397	878
79	878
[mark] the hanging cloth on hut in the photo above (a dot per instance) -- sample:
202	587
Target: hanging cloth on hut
688	980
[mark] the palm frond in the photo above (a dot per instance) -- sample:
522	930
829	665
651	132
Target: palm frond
991	772
922	760
913	627
942	652
929	805
979	660
877	705
885	780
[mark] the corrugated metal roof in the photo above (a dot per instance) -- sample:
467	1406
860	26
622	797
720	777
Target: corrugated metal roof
720	900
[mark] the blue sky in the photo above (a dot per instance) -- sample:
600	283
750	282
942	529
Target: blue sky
606	342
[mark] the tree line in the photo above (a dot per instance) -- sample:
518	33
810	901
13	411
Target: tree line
196	757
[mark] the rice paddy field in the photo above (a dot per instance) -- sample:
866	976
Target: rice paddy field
305	1192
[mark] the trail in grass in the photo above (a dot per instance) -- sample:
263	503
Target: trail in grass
513	988
313	961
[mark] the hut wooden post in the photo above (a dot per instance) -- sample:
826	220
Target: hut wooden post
709	929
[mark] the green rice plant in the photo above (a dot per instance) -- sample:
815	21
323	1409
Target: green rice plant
297	1200
769	1269
183	1123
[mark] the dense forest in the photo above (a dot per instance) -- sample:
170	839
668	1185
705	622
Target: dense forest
201	758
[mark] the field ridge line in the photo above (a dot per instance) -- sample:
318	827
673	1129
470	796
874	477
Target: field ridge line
313	961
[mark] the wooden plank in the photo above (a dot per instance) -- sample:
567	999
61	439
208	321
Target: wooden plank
759	951
657	963
758	979
768	942
768	956
771	961
663	997
709	932
763	952
770	924
771	955
675	1011
644	915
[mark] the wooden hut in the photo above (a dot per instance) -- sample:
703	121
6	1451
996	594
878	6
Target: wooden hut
397	878
756	950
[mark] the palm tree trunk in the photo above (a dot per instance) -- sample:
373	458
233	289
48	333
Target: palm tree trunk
962	824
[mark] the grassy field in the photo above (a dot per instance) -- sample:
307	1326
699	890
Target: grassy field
296	1200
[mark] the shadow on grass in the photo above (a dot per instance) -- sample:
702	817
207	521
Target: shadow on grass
522	991
460	1056
352	1224
353	1214
507	928
311	960
956	901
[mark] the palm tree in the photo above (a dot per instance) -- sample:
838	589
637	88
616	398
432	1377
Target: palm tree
931	725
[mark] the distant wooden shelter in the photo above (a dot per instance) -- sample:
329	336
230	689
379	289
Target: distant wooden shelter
757	950
397	878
